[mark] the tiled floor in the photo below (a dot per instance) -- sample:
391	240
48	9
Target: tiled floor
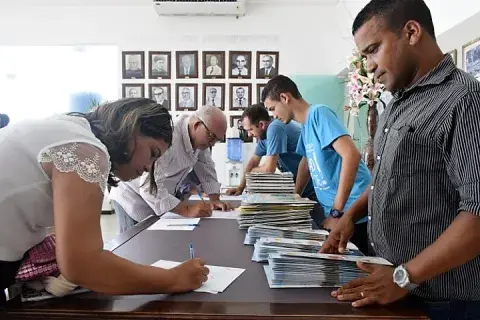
109	227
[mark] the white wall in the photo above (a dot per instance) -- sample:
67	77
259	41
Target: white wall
138	27
459	35
278	27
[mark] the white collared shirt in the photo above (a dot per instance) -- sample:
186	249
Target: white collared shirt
170	171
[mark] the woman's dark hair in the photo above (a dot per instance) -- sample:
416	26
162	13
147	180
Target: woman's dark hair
116	123
4	120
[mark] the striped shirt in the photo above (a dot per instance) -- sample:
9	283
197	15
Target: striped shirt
170	171
427	170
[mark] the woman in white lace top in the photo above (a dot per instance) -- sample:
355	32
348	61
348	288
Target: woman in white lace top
54	172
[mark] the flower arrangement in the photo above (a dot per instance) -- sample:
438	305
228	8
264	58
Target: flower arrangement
362	88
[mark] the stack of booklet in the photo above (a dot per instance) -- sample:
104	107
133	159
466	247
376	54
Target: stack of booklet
256	232
306	270
265	246
275	210
260	182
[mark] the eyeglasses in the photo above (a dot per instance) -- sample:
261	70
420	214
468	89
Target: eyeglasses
212	137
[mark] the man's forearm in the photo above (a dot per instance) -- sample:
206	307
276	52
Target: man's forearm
359	209
457	245
303	175
348	174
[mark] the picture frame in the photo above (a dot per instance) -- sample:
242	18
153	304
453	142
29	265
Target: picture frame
186	100
260	87
240	100
240	64
453	54
471	58
133	90
187	64
133	65
214	95
160	64
235	121
161	94
213	64
267	64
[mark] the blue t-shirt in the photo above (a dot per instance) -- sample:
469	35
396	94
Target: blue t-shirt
322	127
282	140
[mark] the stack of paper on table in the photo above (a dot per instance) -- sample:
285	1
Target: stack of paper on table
219	278
275	210
260	182
256	232
265	246
302	270
175	224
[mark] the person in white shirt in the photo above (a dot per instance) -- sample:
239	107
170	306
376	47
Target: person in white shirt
240	70
53	172
214	69
187	160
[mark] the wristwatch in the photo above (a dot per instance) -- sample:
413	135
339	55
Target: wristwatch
402	278
336	213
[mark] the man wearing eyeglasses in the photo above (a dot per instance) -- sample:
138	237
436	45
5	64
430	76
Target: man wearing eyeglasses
187	163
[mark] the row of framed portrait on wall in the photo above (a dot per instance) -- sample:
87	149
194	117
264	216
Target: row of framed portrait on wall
470	57
239	65
186	95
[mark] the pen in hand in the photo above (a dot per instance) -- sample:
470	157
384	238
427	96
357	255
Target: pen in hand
200	195
192	253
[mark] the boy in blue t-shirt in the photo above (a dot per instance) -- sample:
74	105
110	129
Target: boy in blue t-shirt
275	140
335	165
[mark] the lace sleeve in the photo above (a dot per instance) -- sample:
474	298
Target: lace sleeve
88	161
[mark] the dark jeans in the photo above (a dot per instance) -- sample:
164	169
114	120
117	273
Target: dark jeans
8	271
450	310
360	236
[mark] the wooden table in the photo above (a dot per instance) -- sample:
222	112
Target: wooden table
219	242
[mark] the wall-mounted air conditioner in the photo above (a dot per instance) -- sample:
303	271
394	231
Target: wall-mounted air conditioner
234	8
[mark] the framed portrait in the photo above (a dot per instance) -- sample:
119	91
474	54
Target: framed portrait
260	88
160	63
240	64
240	96
453	54
267	64
214	95
236	122
214	65
187	64
160	92
186	94
471	58
133	65
133	90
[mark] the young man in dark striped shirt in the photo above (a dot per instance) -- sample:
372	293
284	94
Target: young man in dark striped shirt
424	200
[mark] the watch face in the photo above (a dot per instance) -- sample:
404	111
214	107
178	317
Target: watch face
399	275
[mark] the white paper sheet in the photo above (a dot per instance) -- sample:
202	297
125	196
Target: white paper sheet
175	224
219	278
223	197
216	214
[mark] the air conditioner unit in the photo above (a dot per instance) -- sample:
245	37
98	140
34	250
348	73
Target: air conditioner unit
200	7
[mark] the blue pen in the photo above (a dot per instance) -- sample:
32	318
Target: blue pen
200	195
192	253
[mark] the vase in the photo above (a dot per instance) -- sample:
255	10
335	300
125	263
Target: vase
372	121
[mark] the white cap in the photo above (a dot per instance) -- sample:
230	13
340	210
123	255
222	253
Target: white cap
233	132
